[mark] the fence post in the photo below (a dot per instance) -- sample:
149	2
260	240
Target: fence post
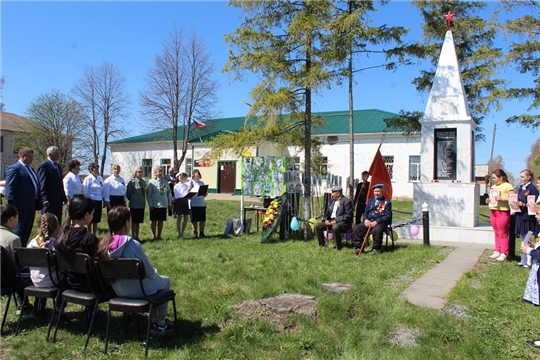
425	222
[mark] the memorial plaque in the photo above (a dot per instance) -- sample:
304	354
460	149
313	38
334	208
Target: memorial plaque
445	154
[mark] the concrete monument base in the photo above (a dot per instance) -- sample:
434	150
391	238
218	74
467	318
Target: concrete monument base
450	204
481	234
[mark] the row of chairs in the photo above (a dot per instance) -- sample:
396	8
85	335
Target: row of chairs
103	271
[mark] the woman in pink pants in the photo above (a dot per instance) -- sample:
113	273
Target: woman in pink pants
499	213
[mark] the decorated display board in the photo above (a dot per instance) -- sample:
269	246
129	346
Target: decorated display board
264	175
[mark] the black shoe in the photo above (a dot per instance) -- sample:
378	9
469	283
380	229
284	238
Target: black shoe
166	328
375	252
202	235
535	343
356	251
195	234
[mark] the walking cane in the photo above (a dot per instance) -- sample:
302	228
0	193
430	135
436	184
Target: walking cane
365	239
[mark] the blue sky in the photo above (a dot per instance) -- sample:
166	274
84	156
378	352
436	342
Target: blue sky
47	45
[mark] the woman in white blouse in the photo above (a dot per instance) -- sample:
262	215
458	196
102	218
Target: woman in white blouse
72	181
114	189
93	188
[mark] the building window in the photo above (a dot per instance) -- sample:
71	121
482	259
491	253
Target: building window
294	163
165	165
414	168
323	168
389	162
2	143
188	167
147	168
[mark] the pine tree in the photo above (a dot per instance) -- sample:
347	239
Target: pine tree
286	43
478	58
524	56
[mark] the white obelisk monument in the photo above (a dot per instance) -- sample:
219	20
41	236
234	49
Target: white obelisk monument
447	170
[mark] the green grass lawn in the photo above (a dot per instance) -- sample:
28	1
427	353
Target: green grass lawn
485	317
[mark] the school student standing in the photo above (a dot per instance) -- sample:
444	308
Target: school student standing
499	213
181	204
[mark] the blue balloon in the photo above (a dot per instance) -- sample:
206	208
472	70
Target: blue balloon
294	223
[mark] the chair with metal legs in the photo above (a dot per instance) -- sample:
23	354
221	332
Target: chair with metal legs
43	258
81	264
132	269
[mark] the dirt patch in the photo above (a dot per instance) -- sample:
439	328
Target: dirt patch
5	352
277	310
403	336
458	311
339	288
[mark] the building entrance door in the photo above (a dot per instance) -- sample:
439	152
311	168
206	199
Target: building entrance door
227	176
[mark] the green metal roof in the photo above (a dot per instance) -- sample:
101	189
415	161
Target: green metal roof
337	122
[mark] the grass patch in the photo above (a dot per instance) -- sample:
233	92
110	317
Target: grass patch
371	321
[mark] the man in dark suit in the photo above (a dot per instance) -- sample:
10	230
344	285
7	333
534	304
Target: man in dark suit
52	187
360	197
23	192
377	217
338	216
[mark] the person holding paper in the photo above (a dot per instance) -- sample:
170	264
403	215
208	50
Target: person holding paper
198	206
181	204
499	213
525	221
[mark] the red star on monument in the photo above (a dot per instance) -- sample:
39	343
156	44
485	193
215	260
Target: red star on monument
449	17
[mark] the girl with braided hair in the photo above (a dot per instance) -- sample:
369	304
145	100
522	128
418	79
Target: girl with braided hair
48	227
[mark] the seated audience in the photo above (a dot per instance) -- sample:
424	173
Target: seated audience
74	237
48	227
117	244
377	217
338	217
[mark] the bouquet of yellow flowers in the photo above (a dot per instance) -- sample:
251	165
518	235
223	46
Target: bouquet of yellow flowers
272	217
271	213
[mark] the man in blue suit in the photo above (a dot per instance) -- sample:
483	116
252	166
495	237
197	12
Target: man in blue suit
52	187
23	192
377	217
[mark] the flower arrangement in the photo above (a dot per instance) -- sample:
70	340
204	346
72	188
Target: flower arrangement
162	188
272	213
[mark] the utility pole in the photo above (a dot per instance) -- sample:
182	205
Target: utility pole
490	164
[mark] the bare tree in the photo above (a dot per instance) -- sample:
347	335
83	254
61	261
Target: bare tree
101	93
179	87
56	119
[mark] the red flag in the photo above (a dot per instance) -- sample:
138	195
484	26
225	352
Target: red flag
379	175
198	124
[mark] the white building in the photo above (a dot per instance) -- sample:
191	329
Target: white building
401	154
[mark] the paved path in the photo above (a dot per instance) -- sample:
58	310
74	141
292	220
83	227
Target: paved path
432	288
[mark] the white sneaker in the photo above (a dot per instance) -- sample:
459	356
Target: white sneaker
495	255
501	257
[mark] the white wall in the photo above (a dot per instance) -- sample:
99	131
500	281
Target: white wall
130	155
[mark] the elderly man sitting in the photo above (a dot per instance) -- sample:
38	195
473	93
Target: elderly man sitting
338	216
377	217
